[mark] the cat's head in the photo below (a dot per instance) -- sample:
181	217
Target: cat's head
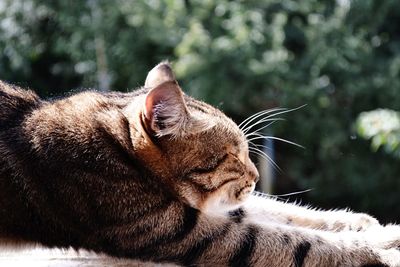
198	150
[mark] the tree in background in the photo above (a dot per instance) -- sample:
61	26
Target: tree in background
382	126
339	57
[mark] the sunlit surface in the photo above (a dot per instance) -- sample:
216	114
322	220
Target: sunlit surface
22	255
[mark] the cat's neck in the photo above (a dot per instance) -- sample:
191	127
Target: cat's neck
142	143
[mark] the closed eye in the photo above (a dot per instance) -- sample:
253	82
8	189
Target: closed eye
240	163
212	165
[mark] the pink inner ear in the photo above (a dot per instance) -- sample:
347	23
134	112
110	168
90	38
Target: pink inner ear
167	93
149	104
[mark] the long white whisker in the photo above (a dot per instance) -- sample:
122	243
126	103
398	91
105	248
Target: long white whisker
257	146
271	121
256	149
280	197
262	153
265	147
257	115
265	195
263	127
275	138
252	144
295	193
265	156
254	134
250	117
269	116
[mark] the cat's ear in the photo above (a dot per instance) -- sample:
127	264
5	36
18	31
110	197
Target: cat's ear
159	74
165	111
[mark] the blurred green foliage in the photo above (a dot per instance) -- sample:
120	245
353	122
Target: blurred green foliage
340	57
382	126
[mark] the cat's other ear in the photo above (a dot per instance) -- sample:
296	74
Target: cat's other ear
165	112
159	74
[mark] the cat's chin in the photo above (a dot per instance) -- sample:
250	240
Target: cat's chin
220	208
221	205
242	194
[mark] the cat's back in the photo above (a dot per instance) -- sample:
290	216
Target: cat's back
14	104
50	150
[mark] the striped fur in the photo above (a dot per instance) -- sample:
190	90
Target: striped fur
155	175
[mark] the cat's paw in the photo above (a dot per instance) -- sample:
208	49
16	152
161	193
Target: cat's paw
358	222
362	222
389	257
386	237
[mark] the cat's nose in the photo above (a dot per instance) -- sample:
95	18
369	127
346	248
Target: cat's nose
257	178
253	172
254	175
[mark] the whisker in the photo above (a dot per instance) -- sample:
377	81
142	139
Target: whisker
280	197
265	126
265	147
265	156
270	120
250	117
251	144
257	115
295	193
259	152
265	195
276	138
254	116
256	147
257	133
254	134
283	111
269	160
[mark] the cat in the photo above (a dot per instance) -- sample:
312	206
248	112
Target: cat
156	175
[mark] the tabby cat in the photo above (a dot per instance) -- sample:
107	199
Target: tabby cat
156	175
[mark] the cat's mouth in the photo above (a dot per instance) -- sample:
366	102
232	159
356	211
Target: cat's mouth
232	198
245	191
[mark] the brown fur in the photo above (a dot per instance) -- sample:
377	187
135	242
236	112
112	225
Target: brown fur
139	175
92	160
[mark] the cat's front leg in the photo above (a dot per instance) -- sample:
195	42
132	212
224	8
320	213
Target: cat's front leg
261	209
188	237
383	236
